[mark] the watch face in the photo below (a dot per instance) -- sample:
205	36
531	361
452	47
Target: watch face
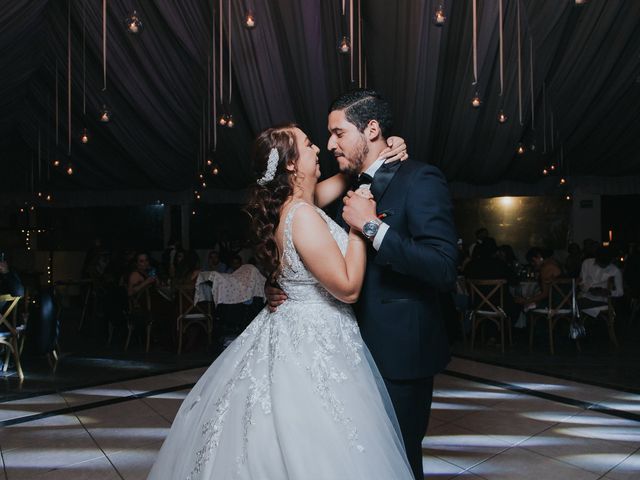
370	229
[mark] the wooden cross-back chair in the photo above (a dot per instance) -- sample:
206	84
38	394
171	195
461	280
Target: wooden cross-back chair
561	305
192	314
487	304
139	311
11	334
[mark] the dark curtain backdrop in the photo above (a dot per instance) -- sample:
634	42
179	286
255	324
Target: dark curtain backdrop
288	69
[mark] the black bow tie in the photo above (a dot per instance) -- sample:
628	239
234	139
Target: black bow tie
364	179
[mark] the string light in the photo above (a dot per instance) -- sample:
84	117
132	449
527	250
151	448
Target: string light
215	170
230	122
105	114
55	162
475	101
545	172
520	149
563	181
133	23
552	167
84	137
222	120
345	46
439	16
249	20
69	169
209	162
502	118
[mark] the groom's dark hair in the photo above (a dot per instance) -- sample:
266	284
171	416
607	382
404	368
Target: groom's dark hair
361	106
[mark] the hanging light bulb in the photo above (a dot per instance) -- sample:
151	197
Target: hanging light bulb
201	176
32	208
105	114
568	197
230	122
520	149
222	120
197	196
204	184
439	16
209	162
563	181
475	101
193	212
249	20
55	162
502	118
133	23
49	197
69	169
84	137
39	194
22	211
581	2
344	47
552	167
215	170
545	171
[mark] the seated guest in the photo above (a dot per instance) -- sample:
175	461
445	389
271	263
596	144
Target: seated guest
548	270
10	282
142	276
481	234
214	264
508	256
594	280
485	264
187	270
235	263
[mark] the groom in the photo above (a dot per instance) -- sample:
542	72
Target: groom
411	259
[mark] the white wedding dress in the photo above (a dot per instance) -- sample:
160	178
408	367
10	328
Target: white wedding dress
295	396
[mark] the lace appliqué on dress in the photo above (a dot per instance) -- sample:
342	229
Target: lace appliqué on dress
310	318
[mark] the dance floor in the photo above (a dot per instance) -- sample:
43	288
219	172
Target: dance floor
488	422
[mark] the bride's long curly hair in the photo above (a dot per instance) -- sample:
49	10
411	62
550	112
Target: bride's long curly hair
266	200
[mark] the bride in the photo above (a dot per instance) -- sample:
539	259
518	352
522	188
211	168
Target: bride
297	395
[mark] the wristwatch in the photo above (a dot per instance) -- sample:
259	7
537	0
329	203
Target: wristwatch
370	229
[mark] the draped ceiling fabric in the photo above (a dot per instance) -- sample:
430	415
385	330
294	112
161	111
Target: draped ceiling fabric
586	63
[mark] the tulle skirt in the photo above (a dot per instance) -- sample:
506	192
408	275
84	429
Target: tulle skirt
295	396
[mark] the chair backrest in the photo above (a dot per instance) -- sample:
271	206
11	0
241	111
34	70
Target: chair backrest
186	294
8	312
141	300
487	295
562	294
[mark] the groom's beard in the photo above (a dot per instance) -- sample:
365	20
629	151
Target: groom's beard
355	160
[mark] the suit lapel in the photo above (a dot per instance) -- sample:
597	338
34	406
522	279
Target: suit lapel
382	179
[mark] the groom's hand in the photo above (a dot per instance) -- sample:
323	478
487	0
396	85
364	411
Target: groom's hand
358	210
275	297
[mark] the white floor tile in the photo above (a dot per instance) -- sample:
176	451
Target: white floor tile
100	393
629	469
437	468
124	426
98	469
166	404
135	464
522	464
30	406
461	447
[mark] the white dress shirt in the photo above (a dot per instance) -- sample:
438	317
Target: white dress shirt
382	230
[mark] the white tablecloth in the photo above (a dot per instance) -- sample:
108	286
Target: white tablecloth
237	287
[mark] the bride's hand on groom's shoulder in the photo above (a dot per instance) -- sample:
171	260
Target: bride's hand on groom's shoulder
396	150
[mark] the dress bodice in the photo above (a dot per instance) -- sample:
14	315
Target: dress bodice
295	279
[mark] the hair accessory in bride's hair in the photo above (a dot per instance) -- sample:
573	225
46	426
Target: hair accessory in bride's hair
272	165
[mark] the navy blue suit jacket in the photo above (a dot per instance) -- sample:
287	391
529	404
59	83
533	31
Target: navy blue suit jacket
399	308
